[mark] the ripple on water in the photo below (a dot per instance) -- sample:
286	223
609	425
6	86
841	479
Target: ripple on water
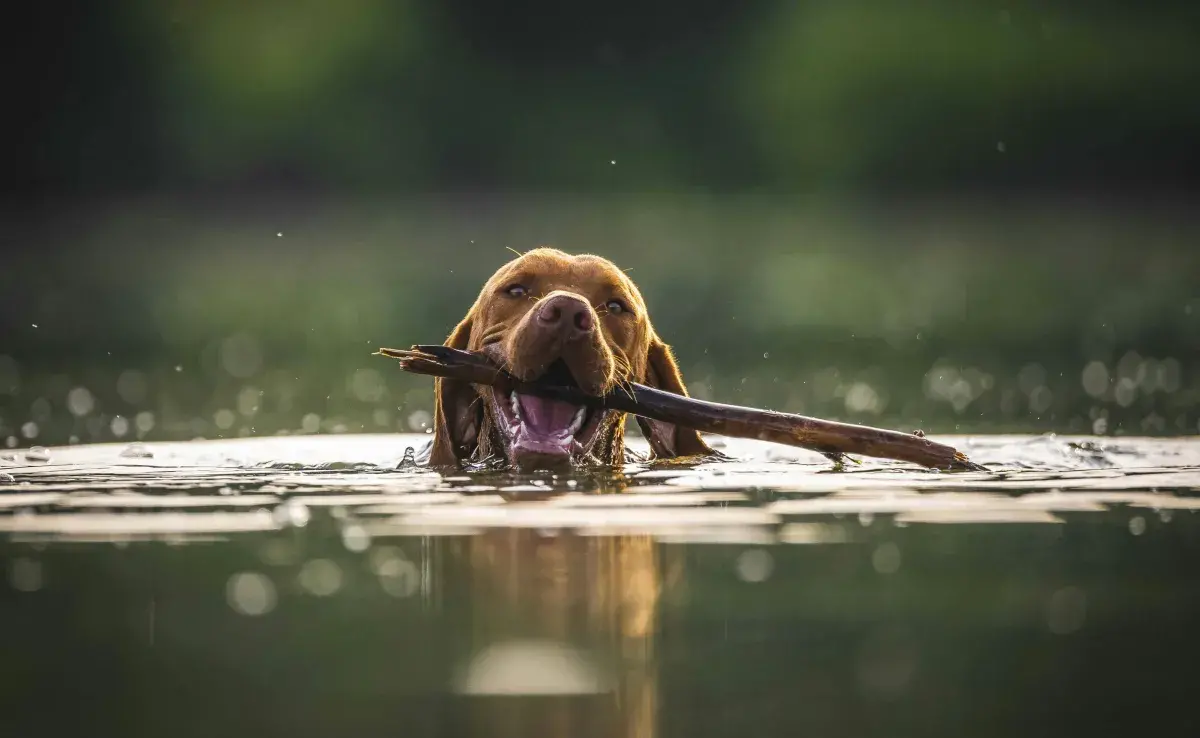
194	491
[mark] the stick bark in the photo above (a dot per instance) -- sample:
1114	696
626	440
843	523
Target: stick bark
824	436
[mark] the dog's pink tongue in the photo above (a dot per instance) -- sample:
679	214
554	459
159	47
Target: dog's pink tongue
545	415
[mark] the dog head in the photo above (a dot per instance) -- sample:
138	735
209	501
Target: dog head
574	320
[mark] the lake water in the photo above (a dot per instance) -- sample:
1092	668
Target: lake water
322	585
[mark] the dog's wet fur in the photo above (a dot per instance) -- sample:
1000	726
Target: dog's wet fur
569	319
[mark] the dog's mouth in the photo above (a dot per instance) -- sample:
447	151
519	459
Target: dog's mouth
541	433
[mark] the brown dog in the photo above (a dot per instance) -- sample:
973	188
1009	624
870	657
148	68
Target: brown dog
575	320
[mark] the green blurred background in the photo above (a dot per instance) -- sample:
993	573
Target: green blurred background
971	216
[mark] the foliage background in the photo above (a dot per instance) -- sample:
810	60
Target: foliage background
953	215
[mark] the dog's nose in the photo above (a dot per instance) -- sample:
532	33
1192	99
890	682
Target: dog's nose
570	316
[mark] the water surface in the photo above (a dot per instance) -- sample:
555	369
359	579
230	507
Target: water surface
324	585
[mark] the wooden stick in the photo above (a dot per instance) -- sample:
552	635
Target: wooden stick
830	438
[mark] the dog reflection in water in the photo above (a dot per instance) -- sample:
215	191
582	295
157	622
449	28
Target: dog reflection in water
564	625
563	633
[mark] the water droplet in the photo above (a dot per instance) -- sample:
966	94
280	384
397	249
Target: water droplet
80	402
886	558
754	565
250	593
292	512
367	385
320	577
1130	366
355	538
6	478
29	430
1095	378
862	398
224	418
311	423
1040	399
40	410
410	458
1137	525
119	426
248	401
241	355
37	453
1169	375
136	451
766	354
380	555
1125	392
398	576
419	420
131	386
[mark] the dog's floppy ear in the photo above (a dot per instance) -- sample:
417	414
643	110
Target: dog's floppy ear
667	440
455	413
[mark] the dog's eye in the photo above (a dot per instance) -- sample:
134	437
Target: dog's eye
615	307
517	290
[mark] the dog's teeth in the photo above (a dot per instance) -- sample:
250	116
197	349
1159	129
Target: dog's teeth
516	406
578	422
